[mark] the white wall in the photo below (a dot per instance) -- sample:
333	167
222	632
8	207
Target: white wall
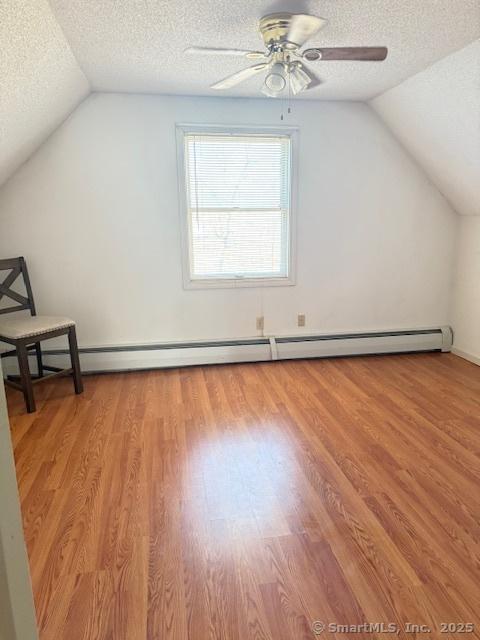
95	212
436	115
466	300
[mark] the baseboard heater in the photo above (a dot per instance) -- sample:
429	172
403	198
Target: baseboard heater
261	349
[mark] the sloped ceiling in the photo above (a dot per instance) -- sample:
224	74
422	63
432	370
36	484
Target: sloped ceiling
436	115
40	80
137	45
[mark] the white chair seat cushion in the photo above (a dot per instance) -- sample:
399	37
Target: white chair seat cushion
27	326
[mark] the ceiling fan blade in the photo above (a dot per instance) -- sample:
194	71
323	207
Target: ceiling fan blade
224	52
302	27
240	76
346	53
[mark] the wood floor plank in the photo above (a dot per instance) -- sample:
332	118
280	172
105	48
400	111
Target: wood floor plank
248	501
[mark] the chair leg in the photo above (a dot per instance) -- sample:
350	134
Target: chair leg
25	377
38	350
74	359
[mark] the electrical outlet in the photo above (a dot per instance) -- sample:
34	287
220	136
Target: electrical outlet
301	320
260	323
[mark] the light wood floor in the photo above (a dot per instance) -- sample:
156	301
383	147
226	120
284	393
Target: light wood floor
248	501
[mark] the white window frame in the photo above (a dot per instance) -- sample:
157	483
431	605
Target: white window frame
229	283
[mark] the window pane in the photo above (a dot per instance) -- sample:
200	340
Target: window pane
248	243
238	197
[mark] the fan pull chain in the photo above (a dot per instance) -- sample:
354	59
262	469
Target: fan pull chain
289	90
287	100
289	110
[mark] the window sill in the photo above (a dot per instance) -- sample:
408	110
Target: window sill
238	283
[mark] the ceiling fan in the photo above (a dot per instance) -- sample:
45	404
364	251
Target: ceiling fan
283	35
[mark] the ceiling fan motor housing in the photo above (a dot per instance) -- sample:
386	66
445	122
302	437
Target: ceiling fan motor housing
274	29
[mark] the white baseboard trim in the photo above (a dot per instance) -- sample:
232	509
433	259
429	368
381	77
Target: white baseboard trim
261	349
466	356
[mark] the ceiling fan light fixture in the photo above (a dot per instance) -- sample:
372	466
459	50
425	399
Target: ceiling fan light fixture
269	93
275	81
299	80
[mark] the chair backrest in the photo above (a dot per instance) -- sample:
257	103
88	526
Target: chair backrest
16	267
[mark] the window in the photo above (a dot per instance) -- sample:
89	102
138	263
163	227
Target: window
237	190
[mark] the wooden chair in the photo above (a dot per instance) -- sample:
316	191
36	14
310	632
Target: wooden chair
26	332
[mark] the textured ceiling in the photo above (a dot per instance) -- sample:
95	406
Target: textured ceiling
40	80
137	45
47	52
436	115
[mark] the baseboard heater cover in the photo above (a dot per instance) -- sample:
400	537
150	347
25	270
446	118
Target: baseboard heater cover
364	343
261	349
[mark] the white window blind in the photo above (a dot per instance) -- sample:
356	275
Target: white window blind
238	205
